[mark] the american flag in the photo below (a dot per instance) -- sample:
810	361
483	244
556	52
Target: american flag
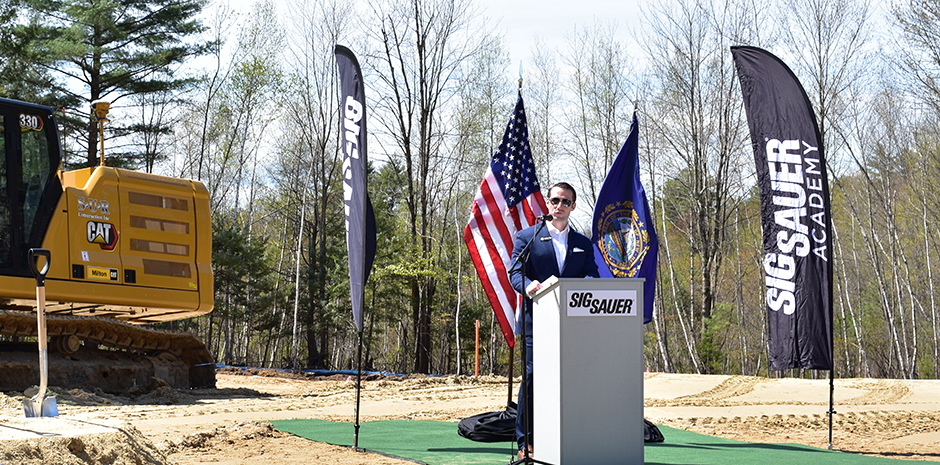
508	201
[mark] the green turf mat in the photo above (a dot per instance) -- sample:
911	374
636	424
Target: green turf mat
430	442
437	443
684	447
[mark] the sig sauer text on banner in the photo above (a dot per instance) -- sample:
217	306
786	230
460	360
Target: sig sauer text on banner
795	211
508	201
360	222
622	231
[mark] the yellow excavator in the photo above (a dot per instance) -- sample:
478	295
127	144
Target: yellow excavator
126	249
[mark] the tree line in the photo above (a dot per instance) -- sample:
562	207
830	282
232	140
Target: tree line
246	102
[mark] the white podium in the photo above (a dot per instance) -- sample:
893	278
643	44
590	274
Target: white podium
588	371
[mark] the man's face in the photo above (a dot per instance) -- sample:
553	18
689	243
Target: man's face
557	200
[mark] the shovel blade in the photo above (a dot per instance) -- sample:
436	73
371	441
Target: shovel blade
30	408
45	408
49	407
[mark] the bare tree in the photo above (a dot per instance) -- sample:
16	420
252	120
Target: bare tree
196	134
700	126
598	115
919	56
222	144
422	44
827	41
543	92
311	159
156	114
919	47
484	98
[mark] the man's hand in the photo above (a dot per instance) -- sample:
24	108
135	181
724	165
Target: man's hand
533	287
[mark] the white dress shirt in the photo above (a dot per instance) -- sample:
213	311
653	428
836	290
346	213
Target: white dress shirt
560	241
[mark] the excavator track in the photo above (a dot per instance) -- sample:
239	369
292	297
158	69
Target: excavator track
101	353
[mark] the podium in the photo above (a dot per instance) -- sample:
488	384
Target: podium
588	371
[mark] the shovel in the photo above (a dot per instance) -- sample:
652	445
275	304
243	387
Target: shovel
39	405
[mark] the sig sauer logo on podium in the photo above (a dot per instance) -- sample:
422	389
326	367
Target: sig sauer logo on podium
602	303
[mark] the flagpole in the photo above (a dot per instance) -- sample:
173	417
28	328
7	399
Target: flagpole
832	368
512	348
520	79
832	351
765	78
512	351
486	245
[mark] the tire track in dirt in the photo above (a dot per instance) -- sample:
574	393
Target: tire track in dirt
734	386
879	425
878	391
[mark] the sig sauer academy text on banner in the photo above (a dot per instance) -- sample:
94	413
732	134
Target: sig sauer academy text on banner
360	221
795	211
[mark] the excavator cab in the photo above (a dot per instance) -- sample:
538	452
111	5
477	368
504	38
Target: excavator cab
29	187
127	249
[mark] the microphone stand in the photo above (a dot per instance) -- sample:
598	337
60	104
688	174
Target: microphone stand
526	408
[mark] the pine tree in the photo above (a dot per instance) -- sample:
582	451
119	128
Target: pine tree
109	49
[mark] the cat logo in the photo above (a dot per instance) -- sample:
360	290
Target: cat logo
103	274
103	234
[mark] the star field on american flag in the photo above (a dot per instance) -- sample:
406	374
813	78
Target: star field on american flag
512	163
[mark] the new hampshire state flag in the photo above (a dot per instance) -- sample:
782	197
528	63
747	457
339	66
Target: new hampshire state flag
623	233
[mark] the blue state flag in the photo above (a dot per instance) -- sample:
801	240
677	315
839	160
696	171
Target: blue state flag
623	233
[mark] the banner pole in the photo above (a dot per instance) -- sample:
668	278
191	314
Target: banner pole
832	388
358	392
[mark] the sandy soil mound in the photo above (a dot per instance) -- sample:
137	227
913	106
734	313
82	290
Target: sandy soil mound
892	418
126	447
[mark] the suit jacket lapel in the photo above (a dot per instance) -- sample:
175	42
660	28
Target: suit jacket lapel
573	260
548	253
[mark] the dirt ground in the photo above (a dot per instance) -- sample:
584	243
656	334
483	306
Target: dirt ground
891	418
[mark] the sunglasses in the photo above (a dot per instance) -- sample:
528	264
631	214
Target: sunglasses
565	202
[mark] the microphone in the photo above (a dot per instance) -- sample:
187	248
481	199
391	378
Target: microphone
545	217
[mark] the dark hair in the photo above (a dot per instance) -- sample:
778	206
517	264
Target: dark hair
567	187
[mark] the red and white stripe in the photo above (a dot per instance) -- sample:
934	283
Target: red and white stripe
489	236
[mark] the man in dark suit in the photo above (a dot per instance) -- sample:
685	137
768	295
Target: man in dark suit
557	251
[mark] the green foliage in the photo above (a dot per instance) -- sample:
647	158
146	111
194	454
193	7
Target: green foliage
926	366
712	343
242	277
22	75
411	265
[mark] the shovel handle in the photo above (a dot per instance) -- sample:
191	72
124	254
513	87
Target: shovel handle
40	274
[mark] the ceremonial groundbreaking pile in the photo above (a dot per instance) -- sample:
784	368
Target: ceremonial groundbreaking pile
158	425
